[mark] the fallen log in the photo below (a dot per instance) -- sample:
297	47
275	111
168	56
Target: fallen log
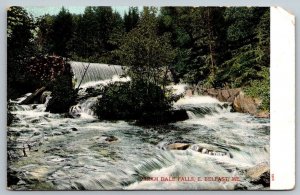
33	96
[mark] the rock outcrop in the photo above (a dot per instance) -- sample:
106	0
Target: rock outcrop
236	97
223	95
178	146
259	174
245	104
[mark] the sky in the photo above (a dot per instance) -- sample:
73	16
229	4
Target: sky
37	11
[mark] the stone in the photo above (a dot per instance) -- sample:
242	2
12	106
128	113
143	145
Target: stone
225	94
259	174
44	96
244	104
189	93
178	146
74	129
111	138
12	179
263	114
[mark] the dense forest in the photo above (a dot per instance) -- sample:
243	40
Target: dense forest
170	92
215	47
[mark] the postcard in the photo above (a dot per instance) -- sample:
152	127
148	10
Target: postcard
150	98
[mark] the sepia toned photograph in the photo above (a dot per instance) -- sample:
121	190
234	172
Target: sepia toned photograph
138	98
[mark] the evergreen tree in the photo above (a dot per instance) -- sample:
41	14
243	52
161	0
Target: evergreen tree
131	18
147	55
176	21
242	65
44	32
62	30
20	47
98	32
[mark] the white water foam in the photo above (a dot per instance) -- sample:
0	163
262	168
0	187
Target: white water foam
197	100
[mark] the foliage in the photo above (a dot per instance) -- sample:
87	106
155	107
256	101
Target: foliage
248	44
131	18
98	31
146	55
61	33
20	47
43	70
261	88
211	46
63	95
132	101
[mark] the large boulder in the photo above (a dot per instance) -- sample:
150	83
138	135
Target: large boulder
259	174
44	96
178	146
223	95
244	104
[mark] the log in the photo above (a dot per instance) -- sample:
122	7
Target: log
33	96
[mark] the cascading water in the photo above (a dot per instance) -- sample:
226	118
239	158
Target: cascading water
87	154
95	71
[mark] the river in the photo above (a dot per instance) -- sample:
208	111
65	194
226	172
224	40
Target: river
84	153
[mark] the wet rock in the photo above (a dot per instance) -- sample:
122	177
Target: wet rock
36	133
57	133
240	187
263	114
259	174
210	150
111	138
223	95
75	111
178	146
74	129
52	150
44	96
245	104
264	179
12	178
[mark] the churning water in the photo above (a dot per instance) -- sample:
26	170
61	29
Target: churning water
87	154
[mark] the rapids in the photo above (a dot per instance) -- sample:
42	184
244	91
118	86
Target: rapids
75	153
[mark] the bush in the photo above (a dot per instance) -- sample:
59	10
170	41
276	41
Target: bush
261	89
63	95
133	101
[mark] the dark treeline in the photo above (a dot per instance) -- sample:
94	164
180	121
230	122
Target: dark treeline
220	47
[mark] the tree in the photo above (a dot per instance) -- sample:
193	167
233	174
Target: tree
147	55
131	18
248	48
62	30
97	32
176	21
20	47
44	32
208	50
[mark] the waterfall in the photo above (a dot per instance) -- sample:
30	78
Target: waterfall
95	71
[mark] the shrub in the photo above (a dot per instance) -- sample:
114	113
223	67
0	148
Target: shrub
133	101
63	95
261	89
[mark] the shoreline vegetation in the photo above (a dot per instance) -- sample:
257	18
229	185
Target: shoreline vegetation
215	48
221	52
